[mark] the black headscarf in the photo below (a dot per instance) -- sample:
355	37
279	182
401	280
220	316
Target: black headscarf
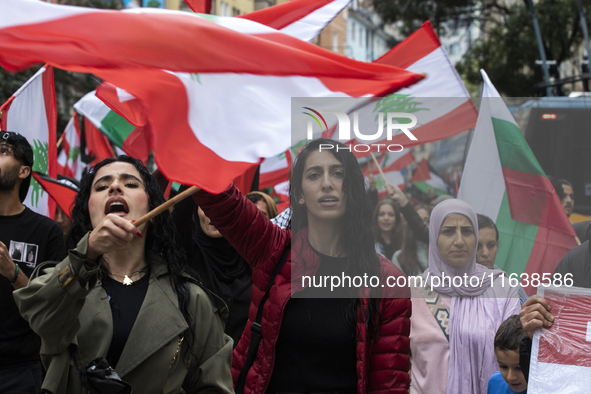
222	259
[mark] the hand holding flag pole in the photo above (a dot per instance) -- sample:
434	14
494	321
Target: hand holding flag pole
393	191
158	210
379	168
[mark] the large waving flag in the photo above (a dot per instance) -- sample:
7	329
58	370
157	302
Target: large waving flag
197	88
503	180
303	19
440	101
31	111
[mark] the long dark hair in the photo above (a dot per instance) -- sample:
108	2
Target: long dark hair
356	233
396	232
486	222
160	238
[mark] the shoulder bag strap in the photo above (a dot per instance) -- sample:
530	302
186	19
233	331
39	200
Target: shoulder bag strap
255	328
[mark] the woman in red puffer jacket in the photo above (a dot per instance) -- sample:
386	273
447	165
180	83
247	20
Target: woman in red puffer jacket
352	337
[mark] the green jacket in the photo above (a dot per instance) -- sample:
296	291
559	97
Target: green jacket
75	326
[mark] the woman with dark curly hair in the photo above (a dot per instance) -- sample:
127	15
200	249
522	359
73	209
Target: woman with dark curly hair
310	343
122	294
387	228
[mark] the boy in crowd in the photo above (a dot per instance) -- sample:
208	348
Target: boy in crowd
510	379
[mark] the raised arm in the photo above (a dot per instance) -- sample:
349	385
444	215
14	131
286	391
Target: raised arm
416	224
244	226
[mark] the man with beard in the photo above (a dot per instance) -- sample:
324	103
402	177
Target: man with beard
20	365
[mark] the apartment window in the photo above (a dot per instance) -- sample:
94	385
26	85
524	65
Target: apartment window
235	11
335	41
224	9
353	27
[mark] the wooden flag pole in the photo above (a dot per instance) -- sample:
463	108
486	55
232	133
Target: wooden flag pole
379	168
158	210
59	142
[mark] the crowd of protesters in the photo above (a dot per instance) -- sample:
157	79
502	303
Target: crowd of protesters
209	297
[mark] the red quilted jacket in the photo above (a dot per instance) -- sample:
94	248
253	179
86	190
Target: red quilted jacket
382	365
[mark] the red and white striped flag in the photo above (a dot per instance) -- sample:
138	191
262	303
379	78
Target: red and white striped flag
31	111
195	108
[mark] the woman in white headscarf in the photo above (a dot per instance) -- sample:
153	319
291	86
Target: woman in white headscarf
454	321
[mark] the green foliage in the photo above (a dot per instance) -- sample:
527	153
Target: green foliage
411	14
509	50
153	3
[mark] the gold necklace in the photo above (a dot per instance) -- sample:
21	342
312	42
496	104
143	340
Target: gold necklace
127	278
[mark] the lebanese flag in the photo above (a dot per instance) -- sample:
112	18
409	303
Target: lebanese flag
281	192
303	19
133	140
97	145
563	349
61	192
393	166
275	170
503	180
69	161
425	179
31	111
440	102
82	149
196	111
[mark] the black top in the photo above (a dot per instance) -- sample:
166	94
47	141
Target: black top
416	224
578	263
215	263
390	249
583	230
316	347
30	239
126	302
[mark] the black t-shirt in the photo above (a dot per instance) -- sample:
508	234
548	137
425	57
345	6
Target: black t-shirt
126	302
30	239
577	262
316	347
